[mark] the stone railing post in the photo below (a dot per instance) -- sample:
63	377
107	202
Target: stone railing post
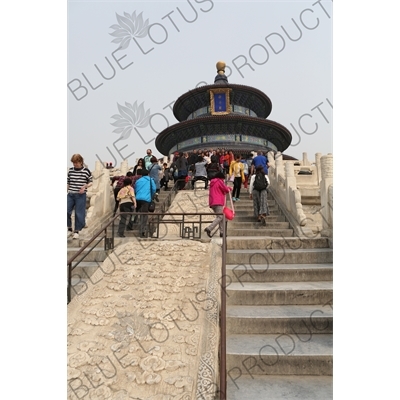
293	195
278	165
124	167
326	189
96	175
305	160
290	183
318	166
105	192
271	158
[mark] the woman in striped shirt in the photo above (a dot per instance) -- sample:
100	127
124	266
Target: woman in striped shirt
78	180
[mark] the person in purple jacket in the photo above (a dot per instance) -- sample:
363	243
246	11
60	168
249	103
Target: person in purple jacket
216	201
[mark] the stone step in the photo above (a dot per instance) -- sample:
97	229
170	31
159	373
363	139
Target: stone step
85	269
260	231
245	200
246	204
282	243
279	272
249	213
275	256
97	254
279	293
281	354
276	221
298	319
244	195
278	387
251	219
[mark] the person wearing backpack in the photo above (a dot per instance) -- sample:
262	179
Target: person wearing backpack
213	167
258	193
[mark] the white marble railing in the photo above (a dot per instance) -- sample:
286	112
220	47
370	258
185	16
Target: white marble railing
304	191
100	200
100	197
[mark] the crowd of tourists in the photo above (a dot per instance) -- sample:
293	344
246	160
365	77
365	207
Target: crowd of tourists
140	187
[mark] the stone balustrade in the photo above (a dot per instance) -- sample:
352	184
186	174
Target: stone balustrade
100	200
304	190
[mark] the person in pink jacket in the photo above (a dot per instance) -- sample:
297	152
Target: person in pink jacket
216	201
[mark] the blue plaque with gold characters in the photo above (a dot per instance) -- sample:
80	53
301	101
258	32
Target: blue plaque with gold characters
219	101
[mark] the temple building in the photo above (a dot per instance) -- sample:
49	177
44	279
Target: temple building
223	116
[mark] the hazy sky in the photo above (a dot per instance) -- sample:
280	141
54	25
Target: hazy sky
283	48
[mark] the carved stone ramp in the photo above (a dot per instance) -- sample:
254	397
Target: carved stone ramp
279	310
147	326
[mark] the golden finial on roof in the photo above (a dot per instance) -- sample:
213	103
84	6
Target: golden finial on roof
221	67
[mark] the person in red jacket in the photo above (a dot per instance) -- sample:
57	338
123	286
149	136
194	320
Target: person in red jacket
216	201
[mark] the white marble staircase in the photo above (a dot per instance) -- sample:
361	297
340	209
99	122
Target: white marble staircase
279	310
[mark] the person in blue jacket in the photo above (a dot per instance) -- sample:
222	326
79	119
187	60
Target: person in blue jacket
258	160
145	189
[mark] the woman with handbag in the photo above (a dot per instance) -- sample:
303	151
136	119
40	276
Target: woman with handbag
216	201
145	189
